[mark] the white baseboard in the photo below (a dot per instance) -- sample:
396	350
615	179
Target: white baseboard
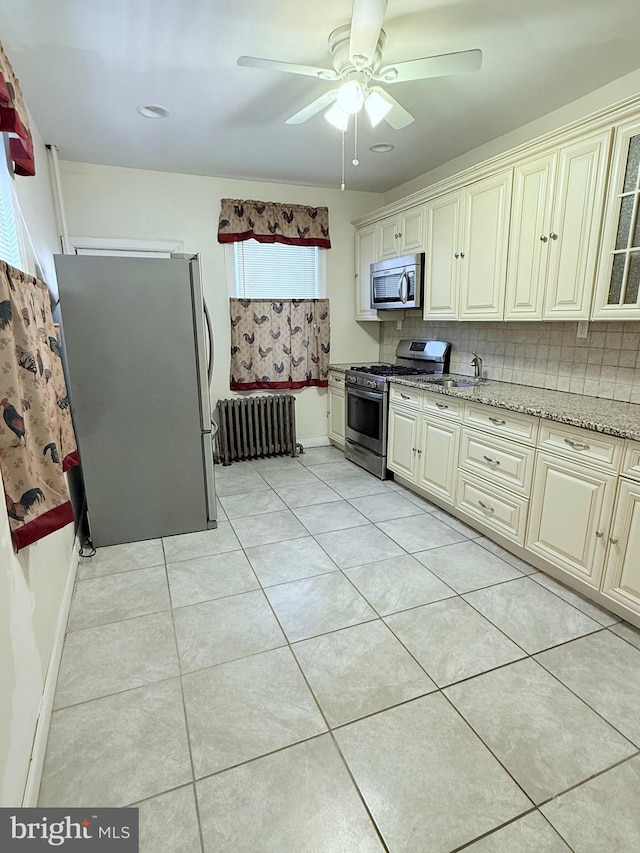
36	764
314	440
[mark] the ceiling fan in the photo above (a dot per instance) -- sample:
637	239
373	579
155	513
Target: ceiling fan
356	56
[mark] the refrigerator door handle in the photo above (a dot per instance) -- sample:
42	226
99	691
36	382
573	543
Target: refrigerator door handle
207	318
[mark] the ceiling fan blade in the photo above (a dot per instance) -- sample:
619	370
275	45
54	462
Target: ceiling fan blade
288	67
431	66
366	23
313	108
397	116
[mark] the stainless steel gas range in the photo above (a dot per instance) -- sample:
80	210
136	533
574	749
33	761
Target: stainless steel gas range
367	399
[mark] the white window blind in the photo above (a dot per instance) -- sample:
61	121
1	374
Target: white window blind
277	271
9	239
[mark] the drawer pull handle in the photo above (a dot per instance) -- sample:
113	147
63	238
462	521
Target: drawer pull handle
405	396
486	506
599	534
577	445
491	461
442	405
613	540
498	421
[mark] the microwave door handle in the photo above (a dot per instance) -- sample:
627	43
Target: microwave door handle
402	295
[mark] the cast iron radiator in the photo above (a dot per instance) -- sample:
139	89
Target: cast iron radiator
253	427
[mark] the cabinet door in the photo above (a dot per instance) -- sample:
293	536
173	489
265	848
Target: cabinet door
528	252
442	267
575	228
438	457
365	256
618	282
483	251
412	233
570	514
622	572
336	413
388	237
402	450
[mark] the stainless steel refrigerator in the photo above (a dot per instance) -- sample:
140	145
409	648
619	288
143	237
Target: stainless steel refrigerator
139	355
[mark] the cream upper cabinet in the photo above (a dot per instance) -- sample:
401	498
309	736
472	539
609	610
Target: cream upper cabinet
441	263
483	249
555	229
401	234
365	256
618	283
466	252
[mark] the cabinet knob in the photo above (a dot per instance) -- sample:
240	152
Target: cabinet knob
599	534
553	236
544	238
421	452
462	254
457	254
613	540
399	234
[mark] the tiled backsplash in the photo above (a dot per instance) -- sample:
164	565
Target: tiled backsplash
546	355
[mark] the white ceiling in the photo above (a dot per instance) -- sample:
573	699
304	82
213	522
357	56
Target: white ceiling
85	65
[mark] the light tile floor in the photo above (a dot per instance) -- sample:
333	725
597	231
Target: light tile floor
340	667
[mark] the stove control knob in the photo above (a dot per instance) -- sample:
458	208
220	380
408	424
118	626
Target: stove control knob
371	384
351	379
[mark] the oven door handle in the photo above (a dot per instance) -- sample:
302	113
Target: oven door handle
367	395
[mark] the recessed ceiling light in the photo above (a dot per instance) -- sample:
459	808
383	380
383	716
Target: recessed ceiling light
381	148
152	111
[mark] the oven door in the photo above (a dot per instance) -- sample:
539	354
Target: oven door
366	419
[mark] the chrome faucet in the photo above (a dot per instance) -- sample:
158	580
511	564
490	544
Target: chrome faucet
476	363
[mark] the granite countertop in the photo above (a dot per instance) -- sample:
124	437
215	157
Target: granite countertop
607	416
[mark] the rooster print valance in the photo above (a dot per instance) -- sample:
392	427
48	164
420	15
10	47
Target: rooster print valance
278	344
270	222
37	442
14	119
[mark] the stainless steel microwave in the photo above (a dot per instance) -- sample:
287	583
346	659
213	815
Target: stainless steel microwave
397	282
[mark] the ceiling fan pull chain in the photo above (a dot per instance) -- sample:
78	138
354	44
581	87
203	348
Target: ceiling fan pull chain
355	160
342	182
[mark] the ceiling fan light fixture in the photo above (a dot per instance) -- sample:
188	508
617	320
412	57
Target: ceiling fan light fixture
376	108
350	97
336	116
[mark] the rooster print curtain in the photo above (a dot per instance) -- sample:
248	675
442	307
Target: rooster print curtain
279	344
271	222
37	442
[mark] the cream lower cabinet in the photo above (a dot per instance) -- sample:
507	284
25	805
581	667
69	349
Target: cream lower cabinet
570	514
423	442
335	407
622	570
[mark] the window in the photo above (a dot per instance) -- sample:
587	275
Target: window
9	235
275	271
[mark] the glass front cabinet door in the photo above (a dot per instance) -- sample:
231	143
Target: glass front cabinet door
618	286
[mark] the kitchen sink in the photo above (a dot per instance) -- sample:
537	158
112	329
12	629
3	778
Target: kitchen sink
455	383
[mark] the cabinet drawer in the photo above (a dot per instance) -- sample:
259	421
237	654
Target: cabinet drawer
503	462
502	422
336	377
603	451
401	395
441	404
631	464
504	512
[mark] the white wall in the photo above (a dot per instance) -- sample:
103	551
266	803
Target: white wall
625	87
32	583
104	201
